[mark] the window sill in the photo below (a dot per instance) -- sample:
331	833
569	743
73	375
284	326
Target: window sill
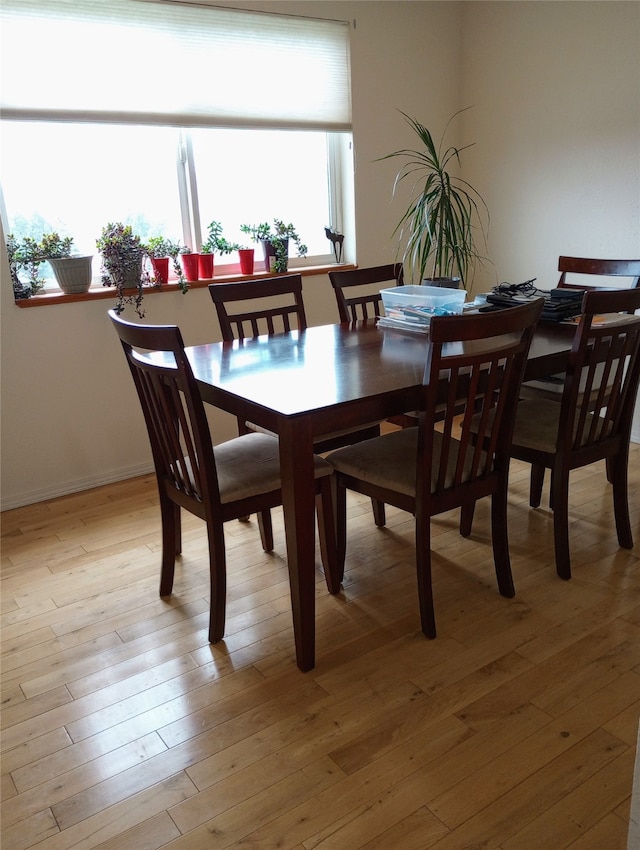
101	293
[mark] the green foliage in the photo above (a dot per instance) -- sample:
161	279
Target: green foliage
277	235
28	255
55	247
216	243
439	227
122	265
158	246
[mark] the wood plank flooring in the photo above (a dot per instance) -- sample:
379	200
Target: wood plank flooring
123	728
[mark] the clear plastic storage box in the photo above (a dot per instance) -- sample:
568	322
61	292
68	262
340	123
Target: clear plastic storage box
415	305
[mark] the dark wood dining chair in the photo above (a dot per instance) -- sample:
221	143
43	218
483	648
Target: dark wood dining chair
270	306
217	484
593	420
353	290
615	274
625	272
427	471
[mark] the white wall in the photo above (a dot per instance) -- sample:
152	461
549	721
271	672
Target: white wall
70	418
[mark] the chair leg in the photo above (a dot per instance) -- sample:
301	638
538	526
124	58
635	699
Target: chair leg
466	518
535	487
171	544
423	566
560	504
327	535
617	469
266	530
340	528
500	541
379	516
217	582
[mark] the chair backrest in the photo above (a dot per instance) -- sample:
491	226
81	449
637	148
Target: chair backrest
627	270
602	376
173	411
362	303
260	316
484	356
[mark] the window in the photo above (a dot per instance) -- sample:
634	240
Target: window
163	153
74	178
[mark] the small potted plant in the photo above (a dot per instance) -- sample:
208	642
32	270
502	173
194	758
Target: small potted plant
215	243
275	240
72	272
122	265
437	232
160	252
189	262
24	255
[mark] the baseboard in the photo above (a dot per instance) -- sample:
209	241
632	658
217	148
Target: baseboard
76	486
68	487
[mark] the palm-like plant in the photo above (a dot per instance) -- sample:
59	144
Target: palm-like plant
438	230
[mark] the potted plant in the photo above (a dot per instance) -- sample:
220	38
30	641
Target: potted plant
189	262
215	243
275	242
161	251
437	232
122	265
24	255
72	272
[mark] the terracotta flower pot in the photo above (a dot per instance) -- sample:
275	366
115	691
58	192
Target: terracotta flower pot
246	260
190	266
160	266
205	266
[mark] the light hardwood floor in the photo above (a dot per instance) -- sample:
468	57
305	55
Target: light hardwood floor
123	728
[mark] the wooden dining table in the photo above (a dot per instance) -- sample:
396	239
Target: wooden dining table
302	385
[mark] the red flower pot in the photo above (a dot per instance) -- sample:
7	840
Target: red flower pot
160	266
246	260
190	266
205	266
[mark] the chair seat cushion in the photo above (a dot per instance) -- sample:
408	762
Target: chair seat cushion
249	465
389	461
537	425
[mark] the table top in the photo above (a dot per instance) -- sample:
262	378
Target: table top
336	367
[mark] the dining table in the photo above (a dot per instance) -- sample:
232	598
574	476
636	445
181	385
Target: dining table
305	384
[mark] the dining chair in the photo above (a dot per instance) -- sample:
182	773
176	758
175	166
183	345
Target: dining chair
216	483
353	292
625	272
593	419
270	306
615	274
426	471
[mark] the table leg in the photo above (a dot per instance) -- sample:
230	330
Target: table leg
298	500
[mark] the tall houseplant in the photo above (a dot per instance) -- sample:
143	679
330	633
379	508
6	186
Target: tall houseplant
437	234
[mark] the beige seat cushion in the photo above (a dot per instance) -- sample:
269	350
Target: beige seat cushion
390	461
537	425
249	465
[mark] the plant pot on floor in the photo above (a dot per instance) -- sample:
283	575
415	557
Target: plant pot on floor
190	266
246	260
73	274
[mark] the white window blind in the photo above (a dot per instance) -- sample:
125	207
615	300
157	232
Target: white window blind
175	63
